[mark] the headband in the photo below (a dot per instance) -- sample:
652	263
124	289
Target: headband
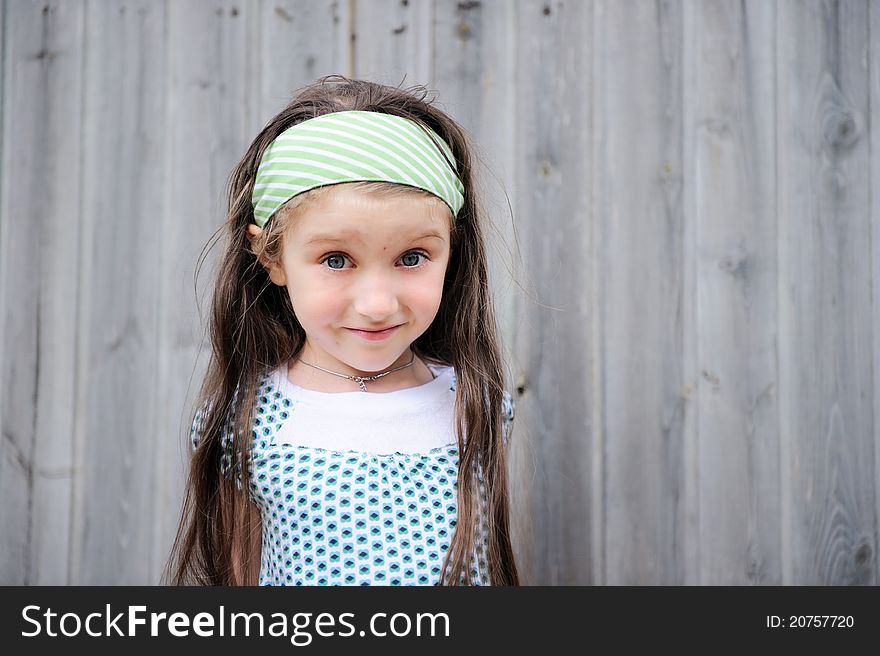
353	146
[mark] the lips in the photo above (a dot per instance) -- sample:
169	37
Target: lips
374	335
373	330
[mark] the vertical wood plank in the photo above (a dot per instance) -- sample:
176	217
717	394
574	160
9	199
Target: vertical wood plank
53	466
14	485
208	117
733	194
117	432
825	386
692	68
874	149
638	209
41	223
17	329
552	196
393	41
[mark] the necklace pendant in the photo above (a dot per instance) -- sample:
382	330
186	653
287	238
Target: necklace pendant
360	380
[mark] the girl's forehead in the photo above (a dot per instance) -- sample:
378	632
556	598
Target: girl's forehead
343	211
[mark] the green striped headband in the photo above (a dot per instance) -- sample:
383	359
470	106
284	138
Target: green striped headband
353	146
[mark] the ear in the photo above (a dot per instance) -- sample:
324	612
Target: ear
275	271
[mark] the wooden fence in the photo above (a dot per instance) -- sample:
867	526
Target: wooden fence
685	258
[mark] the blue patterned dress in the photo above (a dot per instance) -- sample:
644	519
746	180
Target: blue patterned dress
351	517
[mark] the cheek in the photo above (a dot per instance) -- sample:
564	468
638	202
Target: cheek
428	299
311	303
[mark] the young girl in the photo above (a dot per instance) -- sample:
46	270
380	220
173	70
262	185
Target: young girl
353	422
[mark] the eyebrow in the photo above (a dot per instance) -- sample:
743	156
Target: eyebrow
331	239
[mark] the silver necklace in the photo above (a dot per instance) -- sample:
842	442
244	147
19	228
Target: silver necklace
360	379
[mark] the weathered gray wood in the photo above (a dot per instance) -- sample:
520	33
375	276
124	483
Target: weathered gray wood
41	210
11	565
731	320
825	378
17	328
209	110
16	438
393	41
874	136
694	75
553	195
116	440
637	93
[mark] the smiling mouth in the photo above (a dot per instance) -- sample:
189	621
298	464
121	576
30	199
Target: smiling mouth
374	335
378	330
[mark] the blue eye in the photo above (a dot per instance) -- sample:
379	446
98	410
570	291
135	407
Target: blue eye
415	254
334	256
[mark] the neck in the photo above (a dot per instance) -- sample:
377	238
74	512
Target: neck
337	367
307	377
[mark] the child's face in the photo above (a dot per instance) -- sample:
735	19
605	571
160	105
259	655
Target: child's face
384	271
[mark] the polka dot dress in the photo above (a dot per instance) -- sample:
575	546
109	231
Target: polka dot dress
349	517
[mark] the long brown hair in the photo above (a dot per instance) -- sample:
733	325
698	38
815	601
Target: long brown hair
253	330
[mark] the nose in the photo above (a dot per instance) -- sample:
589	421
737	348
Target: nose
375	297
